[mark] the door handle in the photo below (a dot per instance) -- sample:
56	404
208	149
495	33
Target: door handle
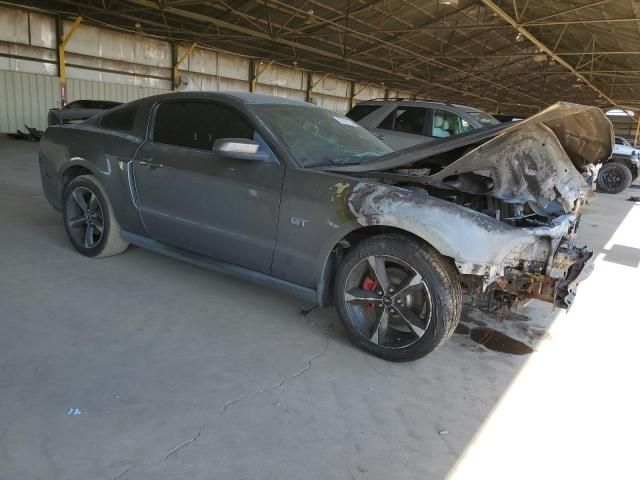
150	164
380	136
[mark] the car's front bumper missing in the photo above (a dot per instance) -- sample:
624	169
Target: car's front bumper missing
558	286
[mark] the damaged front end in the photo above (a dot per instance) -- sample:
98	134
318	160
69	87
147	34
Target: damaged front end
554	282
502	203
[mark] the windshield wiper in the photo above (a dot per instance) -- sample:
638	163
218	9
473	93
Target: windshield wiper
353	159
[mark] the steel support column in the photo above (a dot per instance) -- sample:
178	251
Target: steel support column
62	72
176	66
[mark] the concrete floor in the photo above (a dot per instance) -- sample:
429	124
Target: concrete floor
183	373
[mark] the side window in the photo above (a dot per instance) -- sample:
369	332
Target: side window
358	112
121	119
619	141
405	119
197	124
446	124
388	121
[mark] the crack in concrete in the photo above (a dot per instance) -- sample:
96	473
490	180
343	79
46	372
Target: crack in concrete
126	470
235	401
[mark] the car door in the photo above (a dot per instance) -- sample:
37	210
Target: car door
192	198
403	127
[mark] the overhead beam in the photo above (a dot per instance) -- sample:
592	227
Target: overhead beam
397	47
533	54
520	29
571	10
299	46
581	22
441	28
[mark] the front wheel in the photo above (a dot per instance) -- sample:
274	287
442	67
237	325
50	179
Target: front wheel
397	297
613	177
89	219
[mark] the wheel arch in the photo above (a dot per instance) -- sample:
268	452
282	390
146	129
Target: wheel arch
623	160
72	169
331	258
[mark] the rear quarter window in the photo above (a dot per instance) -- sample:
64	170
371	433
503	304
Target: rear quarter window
121	119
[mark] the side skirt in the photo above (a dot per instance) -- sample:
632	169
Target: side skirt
263	279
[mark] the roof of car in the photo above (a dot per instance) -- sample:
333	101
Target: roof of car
421	103
242	97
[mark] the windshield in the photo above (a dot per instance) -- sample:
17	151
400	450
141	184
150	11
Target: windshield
484	118
315	136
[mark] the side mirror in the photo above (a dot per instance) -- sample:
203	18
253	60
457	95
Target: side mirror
239	148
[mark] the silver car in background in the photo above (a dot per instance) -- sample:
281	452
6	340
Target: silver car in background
402	123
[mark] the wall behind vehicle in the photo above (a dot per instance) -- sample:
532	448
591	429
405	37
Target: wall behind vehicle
107	64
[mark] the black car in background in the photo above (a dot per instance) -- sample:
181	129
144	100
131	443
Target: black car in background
78	110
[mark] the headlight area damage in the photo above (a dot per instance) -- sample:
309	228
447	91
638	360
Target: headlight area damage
503	202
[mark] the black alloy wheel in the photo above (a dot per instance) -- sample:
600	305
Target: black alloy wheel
84	217
388	301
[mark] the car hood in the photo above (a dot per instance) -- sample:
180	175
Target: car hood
537	160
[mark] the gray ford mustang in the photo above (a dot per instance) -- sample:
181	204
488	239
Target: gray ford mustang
291	195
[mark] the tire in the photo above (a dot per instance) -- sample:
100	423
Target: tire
85	205
613	177
410	313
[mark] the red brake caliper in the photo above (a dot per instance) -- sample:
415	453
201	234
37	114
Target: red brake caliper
369	284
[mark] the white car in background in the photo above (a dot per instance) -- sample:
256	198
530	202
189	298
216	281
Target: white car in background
621	169
623	147
402	123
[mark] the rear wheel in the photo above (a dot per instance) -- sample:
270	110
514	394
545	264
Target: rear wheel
398	298
89	220
613	177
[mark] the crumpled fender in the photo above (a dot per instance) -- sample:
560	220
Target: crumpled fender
479	244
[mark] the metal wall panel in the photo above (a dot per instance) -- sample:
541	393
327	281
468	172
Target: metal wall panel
46	66
199	61
281	92
25	98
281	76
336	87
233	66
199	82
335	104
135	76
368	92
331	93
231	85
14	25
78	89
209	70
103	43
122	66
43	30
399	94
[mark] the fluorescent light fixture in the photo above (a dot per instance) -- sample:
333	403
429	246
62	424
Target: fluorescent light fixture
449	3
